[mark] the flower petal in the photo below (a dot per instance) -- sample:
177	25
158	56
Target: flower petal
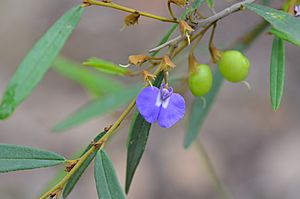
145	103
173	112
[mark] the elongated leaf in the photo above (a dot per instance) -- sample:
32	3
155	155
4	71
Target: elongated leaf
13	158
265	2
106	66
38	61
277	72
210	3
195	5
137	141
98	107
107	183
286	26
198	113
75	177
94	82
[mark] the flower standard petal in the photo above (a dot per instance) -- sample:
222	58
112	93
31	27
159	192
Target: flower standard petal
146	103
172	111
297	10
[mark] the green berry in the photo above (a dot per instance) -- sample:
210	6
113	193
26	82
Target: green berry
234	66
200	80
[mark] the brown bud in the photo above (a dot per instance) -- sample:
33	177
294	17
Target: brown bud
132	19
167	63
107	1
180	3
138	60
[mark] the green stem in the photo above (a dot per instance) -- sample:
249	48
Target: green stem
130	10
171	11
211	170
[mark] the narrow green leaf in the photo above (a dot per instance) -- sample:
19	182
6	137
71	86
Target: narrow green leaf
106	66
286	26
198	113
94	82
107	183
75	177
265	2
210	3
13	158
107	103
137	141
195	5
38	61
277	72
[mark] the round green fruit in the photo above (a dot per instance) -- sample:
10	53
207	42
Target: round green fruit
234	66
200	81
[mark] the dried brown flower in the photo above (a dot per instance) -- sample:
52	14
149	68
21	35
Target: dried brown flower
132	19
167	63
185	29
148	77
138	60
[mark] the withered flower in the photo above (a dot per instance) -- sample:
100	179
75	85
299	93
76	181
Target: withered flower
185	30
167	63
148	77
131	19
138	60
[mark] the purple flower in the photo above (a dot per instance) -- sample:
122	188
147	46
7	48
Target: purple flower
161	105
297	10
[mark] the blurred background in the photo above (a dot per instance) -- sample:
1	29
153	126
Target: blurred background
255	151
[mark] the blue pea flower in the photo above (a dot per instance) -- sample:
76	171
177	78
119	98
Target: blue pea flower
297	10
161	105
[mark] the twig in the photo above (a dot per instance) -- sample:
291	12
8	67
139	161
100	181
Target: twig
130	10
179	37
202	23
224	13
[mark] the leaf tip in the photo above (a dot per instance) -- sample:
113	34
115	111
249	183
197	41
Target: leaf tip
186	144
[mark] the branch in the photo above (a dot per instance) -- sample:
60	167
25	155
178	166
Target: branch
202	23
224	13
